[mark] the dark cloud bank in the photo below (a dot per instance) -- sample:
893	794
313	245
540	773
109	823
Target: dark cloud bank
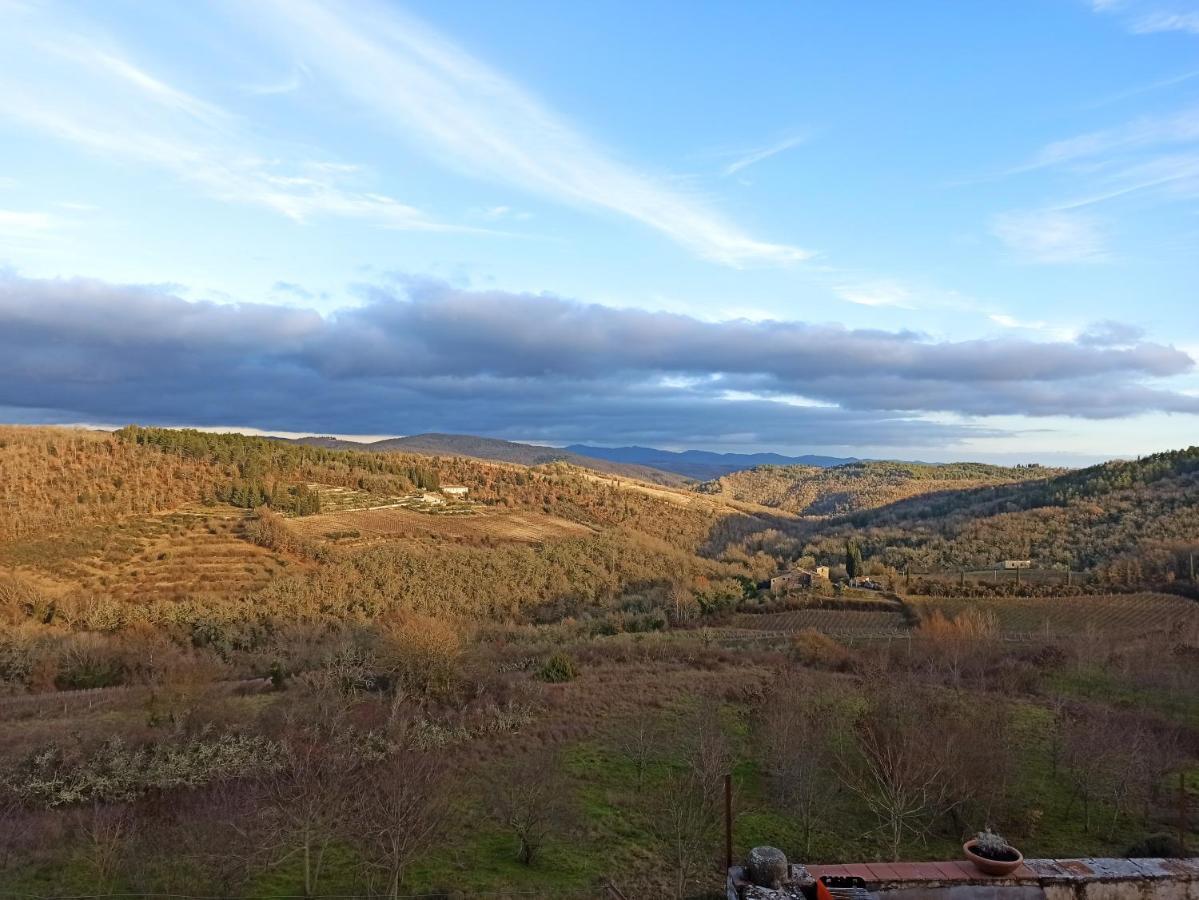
419	356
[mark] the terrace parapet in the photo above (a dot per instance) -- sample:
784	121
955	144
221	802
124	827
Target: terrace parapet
1037	879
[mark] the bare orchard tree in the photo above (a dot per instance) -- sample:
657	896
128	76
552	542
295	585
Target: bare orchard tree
104	832
308	801
685	825
1091	764
981	771
797	743
640	742
12	826
687	812
530	800
894	764
1098	745
711	753
397	811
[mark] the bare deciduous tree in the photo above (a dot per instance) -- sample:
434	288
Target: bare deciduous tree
396	813
308	800
640	742
711	755
797	738
530	800
894	766
104	834
685	826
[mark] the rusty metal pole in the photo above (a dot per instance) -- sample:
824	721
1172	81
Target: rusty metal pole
728	821
1182	812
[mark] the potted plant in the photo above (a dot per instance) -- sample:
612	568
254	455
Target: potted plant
991	854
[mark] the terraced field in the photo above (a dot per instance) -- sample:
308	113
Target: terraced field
481	525
168	557
1119	614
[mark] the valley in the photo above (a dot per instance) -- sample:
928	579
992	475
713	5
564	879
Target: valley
214	636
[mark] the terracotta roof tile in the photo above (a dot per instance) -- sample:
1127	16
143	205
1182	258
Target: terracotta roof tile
1076	868
1187	867
859	871
923	871
884	871
951	871
1024	873
1046	868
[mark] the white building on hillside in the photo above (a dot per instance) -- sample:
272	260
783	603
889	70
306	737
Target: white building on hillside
454	490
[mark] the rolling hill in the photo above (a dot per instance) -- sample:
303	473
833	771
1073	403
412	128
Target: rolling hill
1134	521
815	491
154	517
435	444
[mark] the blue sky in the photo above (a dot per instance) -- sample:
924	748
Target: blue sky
928	229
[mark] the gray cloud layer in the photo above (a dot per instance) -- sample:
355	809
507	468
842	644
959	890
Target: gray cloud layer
420	355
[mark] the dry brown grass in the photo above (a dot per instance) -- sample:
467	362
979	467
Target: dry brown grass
489	524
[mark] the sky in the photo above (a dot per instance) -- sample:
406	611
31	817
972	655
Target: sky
927	230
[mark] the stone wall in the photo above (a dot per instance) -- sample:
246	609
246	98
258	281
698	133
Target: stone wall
1037	879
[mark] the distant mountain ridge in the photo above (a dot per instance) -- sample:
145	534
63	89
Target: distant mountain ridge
703	464
437	444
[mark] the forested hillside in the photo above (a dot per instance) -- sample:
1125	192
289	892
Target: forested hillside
817	491
1134	520
52	477
498	450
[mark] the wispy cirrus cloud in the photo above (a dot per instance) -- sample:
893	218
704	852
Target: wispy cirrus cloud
753	157
293	81
1051	236
1149	159
464	113
1008	321
82	89
876	293
1152	156
14	221
1160	21
1152	16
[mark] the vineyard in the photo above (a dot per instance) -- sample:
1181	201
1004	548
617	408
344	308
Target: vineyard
1119	614
841	622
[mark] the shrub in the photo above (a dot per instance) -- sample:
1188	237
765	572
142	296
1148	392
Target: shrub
558	669
419	653
266	528
21	600
810	647
116	773
87	660
1157	846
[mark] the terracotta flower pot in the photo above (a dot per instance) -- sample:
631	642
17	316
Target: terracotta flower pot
992	866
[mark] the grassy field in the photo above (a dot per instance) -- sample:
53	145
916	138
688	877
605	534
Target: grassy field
480	525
